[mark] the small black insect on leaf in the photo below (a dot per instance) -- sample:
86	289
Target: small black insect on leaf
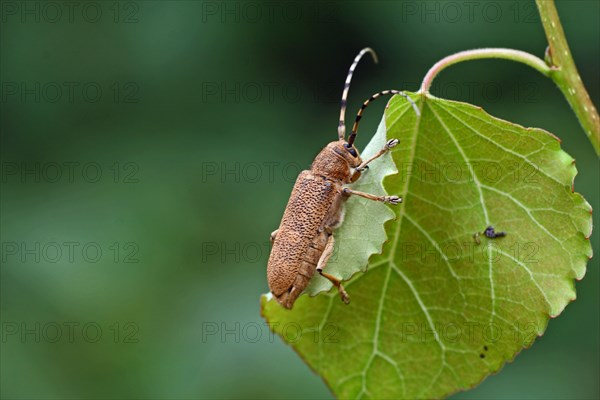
489	232
492	234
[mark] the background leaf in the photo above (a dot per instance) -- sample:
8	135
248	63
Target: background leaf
437	313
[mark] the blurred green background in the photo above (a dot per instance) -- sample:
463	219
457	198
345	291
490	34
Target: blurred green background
148	150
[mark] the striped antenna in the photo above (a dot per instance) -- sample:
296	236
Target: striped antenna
366	103
342	125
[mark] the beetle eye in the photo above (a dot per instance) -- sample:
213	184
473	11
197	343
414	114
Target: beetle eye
350	150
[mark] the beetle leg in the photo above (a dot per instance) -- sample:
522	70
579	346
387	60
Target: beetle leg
384	199
356	174
273	234
323	262
388	145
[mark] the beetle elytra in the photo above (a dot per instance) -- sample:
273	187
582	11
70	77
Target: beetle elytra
304	241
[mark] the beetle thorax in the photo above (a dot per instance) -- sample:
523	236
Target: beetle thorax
336	161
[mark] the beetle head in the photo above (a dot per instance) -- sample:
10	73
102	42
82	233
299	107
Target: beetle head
337	160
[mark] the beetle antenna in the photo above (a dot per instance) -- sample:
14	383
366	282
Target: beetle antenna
342	125
352	136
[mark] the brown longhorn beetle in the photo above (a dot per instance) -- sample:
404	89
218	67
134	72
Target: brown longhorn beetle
304	241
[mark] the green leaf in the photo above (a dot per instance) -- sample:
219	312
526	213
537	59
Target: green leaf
436	313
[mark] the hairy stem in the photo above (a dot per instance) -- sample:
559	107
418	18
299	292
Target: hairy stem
565	75
476	54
